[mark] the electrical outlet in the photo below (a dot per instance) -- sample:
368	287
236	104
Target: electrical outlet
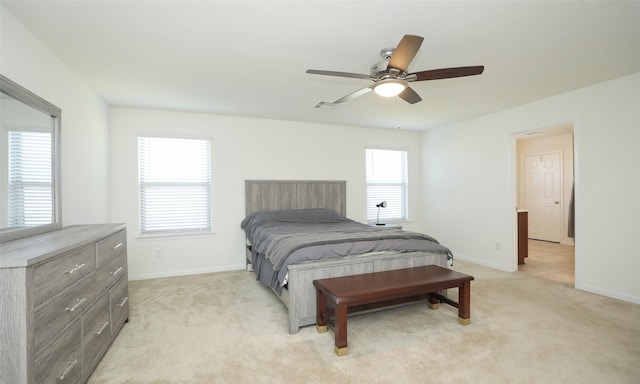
498	246
157	253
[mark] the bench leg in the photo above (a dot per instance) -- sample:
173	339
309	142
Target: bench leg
433	301
321	310
464	303
340	329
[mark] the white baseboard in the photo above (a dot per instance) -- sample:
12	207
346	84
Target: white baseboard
186	272
479	262
609	293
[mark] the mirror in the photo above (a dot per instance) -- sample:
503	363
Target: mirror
29	163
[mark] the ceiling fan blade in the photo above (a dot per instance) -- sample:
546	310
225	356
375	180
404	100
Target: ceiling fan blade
405	52
353	95
339	74
446	73
410	96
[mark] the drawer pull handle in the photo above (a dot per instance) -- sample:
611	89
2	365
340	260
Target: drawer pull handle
124	301
117	246
78	303
70	366
116	271
75	269
102	328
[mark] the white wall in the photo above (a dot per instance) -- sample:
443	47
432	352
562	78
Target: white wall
243	148
84	134
470	192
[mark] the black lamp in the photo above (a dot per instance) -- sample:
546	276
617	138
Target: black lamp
381	205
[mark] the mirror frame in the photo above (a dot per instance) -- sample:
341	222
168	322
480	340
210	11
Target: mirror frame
29	98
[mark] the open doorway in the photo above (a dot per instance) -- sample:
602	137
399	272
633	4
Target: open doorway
545	192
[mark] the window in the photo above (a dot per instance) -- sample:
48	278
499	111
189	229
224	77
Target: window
386	181
30	182
174	177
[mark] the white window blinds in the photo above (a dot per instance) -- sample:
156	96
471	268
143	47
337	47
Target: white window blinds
386	181
29	173
175	185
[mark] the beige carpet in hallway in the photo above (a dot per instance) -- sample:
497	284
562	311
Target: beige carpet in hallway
226	328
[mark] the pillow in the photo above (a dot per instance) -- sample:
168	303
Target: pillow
316	215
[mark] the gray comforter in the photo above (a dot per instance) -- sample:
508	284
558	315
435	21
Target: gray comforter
295	236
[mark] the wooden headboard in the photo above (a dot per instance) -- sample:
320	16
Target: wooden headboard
270	195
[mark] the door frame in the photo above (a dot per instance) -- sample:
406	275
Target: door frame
513	172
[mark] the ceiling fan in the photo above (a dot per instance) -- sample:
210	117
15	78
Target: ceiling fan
391	76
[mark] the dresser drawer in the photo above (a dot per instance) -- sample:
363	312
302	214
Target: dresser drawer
96	334
53	317
111	247
110	273
61	362
119	303
56	274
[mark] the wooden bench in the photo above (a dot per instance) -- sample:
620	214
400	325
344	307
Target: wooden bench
337	297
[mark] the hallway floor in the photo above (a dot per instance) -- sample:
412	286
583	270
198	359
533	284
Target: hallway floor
551	261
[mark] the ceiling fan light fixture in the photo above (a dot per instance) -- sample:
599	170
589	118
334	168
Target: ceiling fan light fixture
389	87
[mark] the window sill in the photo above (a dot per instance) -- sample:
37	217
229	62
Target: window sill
386	225
184	235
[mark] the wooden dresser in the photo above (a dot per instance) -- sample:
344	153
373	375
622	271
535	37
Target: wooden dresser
63	299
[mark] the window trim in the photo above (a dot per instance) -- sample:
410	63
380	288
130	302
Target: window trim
176	233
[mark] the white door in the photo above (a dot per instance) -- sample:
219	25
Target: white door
543	193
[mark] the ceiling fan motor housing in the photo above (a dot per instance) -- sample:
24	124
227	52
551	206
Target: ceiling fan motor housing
382	66
379	68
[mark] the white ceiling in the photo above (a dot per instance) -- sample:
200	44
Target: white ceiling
249	58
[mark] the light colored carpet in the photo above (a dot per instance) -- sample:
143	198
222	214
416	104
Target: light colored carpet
227	328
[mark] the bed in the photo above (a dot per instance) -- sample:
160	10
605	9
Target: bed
297	232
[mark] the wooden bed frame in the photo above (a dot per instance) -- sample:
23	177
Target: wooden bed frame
300	295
